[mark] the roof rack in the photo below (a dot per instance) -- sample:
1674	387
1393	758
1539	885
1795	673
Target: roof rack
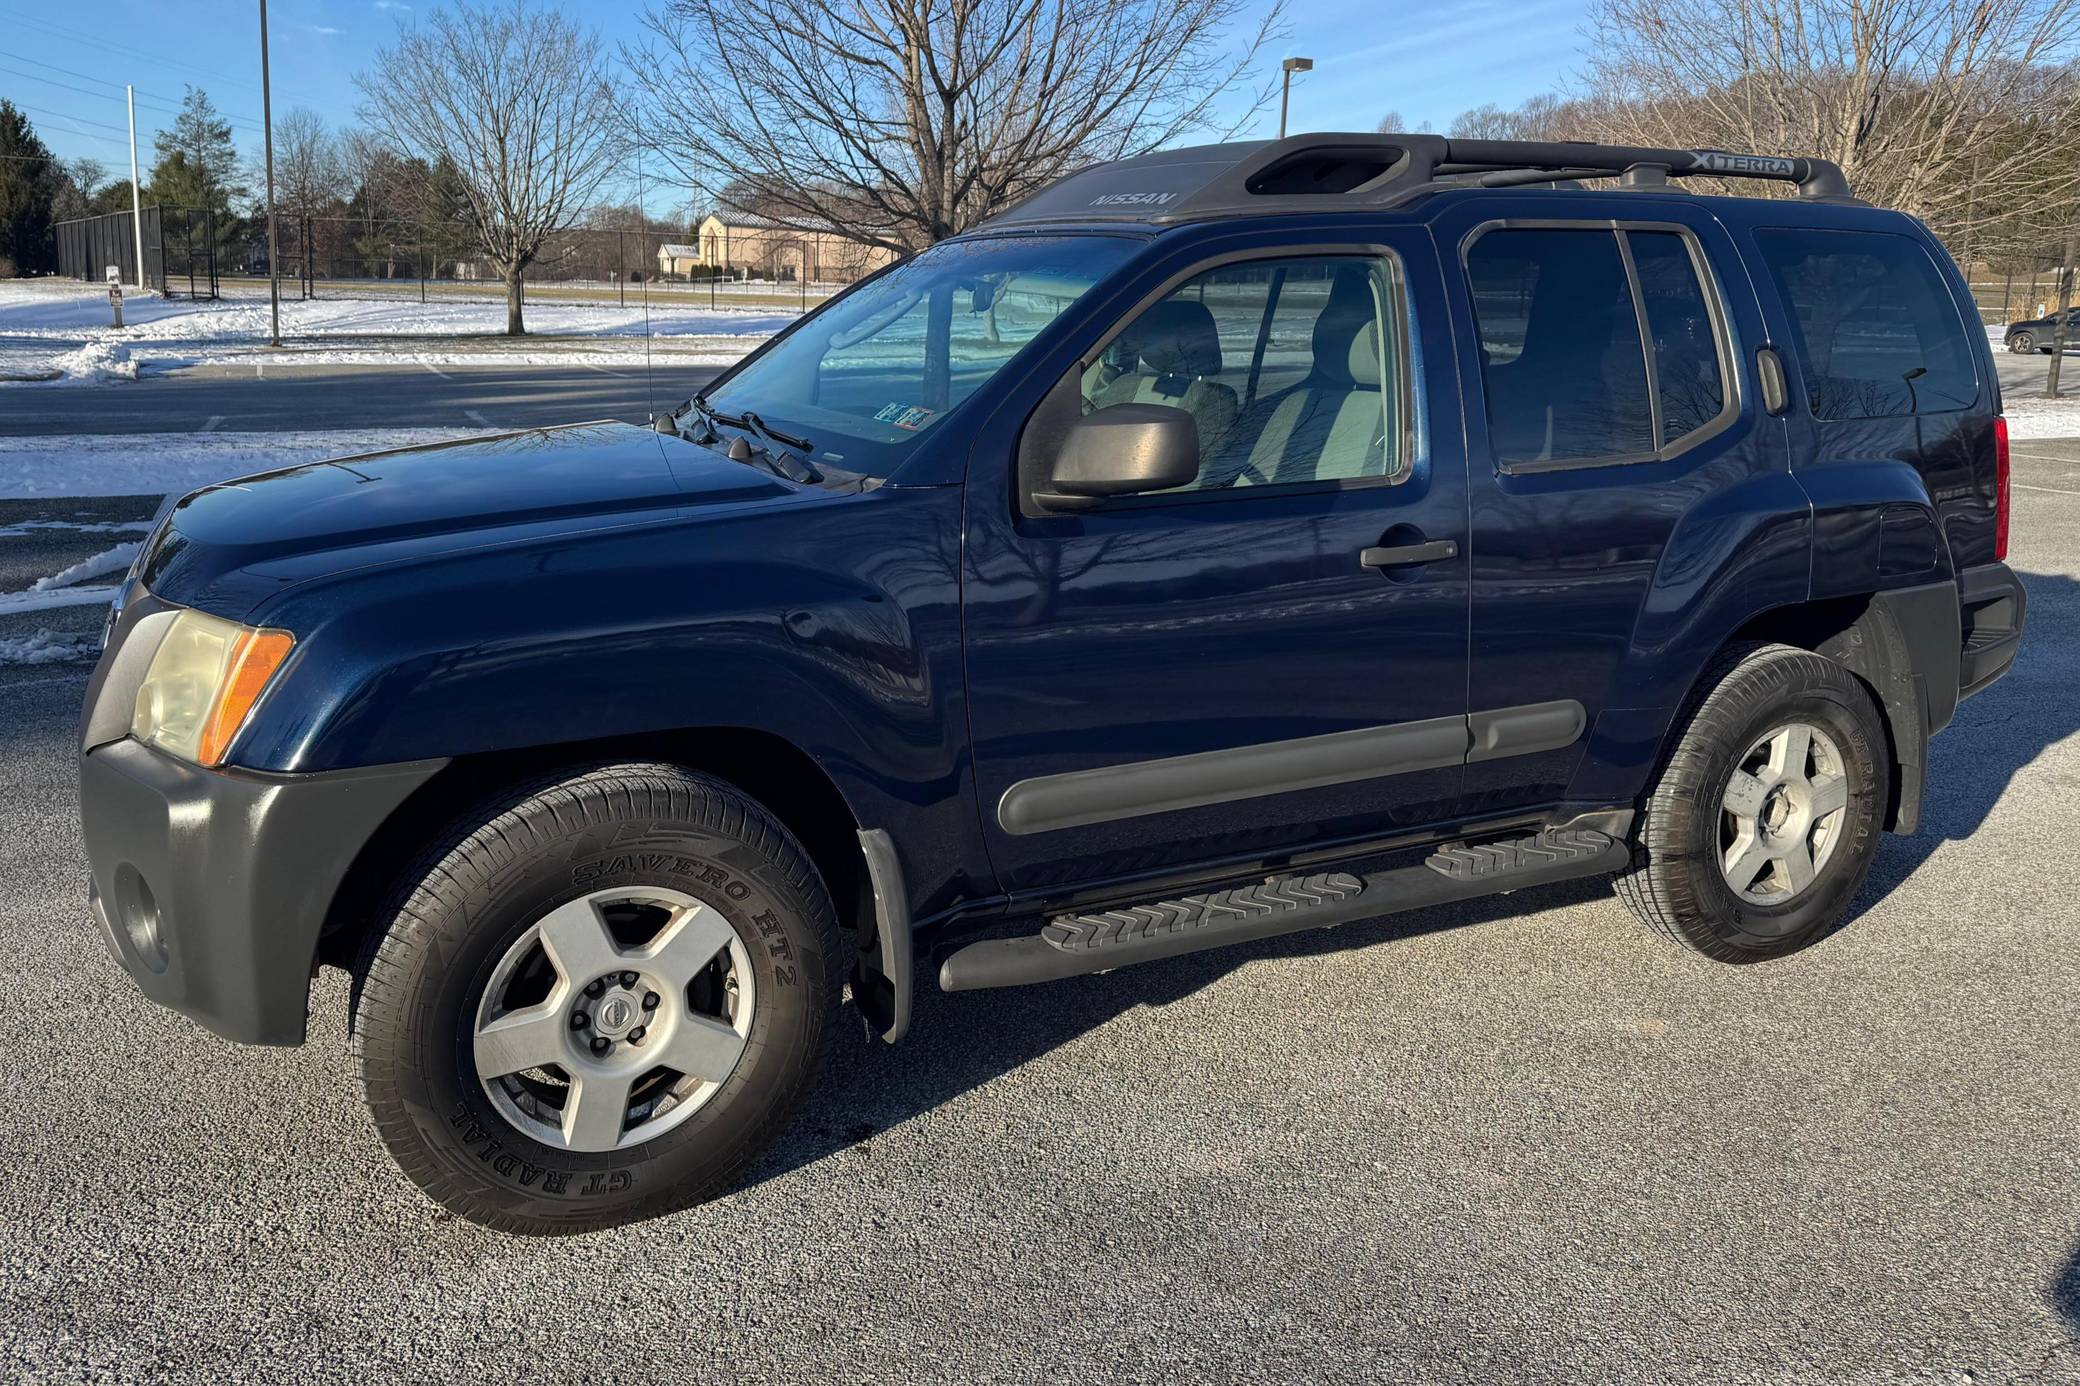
1348	172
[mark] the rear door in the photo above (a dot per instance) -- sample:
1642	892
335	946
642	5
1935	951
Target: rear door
1622	473
1215	672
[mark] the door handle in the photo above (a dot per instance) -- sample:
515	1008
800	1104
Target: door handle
1409	555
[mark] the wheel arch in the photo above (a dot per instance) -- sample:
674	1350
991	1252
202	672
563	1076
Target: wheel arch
772	770
1875	636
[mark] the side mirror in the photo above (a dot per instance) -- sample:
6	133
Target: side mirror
1123	451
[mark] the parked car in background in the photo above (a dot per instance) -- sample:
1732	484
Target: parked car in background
1221	543
2037	334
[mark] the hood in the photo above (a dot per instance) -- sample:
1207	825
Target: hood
301	521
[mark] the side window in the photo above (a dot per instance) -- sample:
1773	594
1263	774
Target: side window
1687	379
1575	367
1879	334
1296	369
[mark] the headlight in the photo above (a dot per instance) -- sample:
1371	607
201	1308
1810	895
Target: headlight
203	681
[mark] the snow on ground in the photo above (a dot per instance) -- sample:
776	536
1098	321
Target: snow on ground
161	463
108	561
43	324
49	647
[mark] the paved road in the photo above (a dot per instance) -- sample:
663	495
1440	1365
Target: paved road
273	397
1513	1141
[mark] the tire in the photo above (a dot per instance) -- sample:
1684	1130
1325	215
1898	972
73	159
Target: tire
488	949
2022	343
1692	840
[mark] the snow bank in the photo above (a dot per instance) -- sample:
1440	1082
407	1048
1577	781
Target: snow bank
94	364
115	560
49	647
160	463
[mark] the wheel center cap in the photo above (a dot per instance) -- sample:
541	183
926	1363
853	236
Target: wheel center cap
616	1014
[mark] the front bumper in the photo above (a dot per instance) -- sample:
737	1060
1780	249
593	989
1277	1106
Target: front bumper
211	887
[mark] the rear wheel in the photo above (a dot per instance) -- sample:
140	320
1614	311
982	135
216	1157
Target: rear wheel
596	1001
1766	816
2022	343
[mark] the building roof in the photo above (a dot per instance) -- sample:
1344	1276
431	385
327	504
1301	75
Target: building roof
755	221
679	252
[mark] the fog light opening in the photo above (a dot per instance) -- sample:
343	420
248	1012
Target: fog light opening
137	914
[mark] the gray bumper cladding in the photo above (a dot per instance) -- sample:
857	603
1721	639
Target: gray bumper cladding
211	886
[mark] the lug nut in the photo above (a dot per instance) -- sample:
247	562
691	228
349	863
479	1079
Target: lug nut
650	1000
596	986
579	1020
635	1036
628	979
601	1044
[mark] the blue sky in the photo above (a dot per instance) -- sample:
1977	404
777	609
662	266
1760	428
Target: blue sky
66	66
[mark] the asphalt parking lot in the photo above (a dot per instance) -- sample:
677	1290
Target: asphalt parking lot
1514	1141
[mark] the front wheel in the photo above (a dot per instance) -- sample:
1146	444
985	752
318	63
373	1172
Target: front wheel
596	1001
1766	816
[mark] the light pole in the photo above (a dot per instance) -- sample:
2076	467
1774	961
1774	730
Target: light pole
274	266
1285	89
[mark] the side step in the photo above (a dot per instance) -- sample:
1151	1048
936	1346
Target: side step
1072	945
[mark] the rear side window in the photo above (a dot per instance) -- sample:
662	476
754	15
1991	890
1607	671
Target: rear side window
1596	345
1879	335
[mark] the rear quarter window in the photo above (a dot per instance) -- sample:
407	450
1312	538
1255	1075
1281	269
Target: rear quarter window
1878	332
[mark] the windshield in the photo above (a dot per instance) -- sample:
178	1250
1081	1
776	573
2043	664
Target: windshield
868	376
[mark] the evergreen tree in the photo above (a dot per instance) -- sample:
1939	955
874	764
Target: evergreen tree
29	184
198	165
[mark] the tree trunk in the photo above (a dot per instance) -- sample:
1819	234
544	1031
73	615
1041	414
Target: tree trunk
514	326
2065	299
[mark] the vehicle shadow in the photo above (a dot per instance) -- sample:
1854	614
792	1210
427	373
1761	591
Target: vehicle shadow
962	1041
1994	735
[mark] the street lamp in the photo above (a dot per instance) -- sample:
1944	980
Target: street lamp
1285	90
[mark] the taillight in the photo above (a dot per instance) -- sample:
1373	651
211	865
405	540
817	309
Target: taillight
2000	488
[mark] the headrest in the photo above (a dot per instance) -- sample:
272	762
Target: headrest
1346	335
1175	337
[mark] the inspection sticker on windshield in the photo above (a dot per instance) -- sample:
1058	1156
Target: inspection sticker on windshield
906	416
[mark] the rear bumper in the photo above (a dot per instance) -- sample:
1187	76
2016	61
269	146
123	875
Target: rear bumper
211	887
1994	607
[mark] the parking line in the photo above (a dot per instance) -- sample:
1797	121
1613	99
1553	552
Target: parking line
2054	490
210	425
604	371
479	419
436	370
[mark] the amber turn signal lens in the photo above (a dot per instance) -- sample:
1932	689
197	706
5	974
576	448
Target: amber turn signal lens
255	655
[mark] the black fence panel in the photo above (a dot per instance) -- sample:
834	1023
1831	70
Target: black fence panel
89	245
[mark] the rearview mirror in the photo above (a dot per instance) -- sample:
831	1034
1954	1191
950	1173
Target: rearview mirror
1123	451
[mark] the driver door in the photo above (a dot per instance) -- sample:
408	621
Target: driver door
1270	658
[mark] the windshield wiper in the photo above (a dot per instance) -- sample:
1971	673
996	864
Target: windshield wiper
774	435
777	462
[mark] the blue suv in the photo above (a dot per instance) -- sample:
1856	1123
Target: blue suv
1220	543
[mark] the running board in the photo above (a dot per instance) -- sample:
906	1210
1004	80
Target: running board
1073	945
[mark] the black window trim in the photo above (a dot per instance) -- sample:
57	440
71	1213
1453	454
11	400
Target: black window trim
1413	444
1733	384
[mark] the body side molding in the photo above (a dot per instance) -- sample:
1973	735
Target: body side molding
1049	802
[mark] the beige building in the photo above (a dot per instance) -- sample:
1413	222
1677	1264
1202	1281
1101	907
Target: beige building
677	259
781	249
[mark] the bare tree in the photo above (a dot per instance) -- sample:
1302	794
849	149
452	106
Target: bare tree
311	169
1543	117
1949	109
900	122
515	102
